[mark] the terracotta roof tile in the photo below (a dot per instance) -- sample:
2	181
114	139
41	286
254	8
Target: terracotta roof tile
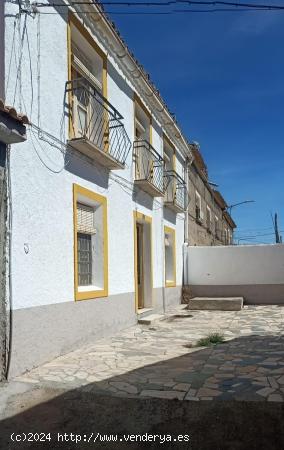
11	111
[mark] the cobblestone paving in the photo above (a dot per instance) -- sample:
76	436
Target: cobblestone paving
162	360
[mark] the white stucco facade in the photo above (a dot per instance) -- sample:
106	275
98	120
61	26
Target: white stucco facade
43	172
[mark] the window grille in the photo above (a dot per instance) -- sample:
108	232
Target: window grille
85	219
84	248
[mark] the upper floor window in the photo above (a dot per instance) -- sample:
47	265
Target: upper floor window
169	155
95	126
226	236
208	218
87	58
229	237
142	122
216	226
88	77
198	210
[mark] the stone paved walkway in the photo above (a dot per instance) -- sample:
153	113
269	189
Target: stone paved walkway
162	361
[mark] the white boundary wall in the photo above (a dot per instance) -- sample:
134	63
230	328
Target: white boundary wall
255	272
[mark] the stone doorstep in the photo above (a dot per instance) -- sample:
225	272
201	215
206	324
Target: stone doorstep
150	319
217	304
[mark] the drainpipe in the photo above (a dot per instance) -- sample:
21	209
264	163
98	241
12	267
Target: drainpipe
186	224
186	233
164	264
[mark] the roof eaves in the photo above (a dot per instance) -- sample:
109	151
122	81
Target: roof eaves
11	111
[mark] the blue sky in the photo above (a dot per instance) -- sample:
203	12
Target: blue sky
222	74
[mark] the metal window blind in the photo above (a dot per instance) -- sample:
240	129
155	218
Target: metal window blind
85	219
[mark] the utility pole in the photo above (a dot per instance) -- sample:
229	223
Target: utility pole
278	239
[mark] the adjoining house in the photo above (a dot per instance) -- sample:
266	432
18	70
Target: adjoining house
12	131
209	222
98	190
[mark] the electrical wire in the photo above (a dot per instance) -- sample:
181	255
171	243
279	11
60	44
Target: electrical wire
127	186
41	159
254	230
16	65
31	75
172	2
11	56
38	39
149	13
258	235
226	7
19	65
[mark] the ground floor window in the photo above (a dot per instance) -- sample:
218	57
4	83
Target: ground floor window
85	259
90	244
170	256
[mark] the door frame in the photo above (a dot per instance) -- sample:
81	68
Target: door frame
140	227
147	220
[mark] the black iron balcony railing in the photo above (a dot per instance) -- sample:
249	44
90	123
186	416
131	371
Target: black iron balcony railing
149	168
176	196
95	123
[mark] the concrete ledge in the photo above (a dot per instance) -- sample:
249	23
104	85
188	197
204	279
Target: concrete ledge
259	294
218	304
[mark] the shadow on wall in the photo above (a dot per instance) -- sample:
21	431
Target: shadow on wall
170	215
224	425
76	164
141	197
119	81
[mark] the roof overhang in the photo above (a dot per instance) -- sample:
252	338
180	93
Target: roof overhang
12	131
219	199
229	219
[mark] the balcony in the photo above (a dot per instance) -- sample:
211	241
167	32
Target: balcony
96	126
176	192
149	169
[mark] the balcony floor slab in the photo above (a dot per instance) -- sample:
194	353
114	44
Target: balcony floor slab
91	150
148	187
174	207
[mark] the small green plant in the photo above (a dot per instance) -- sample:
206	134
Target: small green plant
211	339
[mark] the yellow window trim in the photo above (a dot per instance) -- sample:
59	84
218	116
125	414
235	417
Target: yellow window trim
138	101
137	216
72	19
169	230
88	295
